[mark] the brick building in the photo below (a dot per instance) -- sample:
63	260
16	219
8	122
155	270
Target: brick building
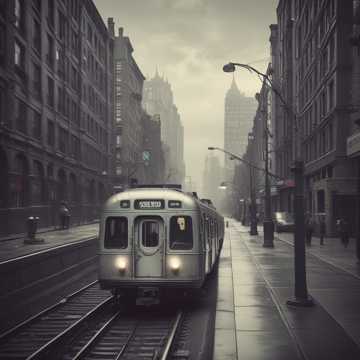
313	70
128	131
55	110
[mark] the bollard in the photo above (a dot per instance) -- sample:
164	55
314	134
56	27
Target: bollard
31	223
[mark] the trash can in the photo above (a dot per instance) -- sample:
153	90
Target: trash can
32	223
32	226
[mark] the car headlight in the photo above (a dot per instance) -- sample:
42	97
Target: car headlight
175	264
121	264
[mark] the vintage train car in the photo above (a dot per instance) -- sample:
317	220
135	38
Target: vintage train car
153	239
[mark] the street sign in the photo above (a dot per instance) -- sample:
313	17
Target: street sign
146	155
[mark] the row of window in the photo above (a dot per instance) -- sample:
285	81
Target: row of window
319	109
20	191
181	233
319	144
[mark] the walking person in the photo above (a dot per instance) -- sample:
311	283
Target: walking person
322	229
309	229
343	228
64	214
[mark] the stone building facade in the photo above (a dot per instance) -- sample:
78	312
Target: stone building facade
313	70
158	100
55	111
239	112
128	131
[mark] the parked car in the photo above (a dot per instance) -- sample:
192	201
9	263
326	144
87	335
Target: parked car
283	221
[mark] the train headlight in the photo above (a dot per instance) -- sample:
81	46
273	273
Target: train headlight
121	264
175	264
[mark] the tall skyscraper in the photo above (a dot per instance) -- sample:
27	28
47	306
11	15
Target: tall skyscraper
239	113
158	100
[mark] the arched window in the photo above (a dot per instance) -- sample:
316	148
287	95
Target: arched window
20	184
61	185
4	180
51	183
38	184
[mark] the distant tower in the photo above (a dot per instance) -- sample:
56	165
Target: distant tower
239	113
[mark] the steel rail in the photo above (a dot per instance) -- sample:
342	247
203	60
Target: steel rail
95	337
172	336
40	353
35	317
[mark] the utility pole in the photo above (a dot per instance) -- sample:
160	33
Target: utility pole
268	223
301	297
253	219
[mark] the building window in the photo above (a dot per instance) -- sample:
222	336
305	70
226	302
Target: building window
321	201
331	136
37	80
2	43
75	147
50	14
331	95
62	26
19	12
19	187
50	51
20	116
3	8
74	78
36	36
19	56
89	33
74	43
37	5
38	184
63	140
60	58
36	126
50	133
50	91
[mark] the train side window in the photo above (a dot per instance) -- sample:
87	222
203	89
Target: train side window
116	233
181	233
150	233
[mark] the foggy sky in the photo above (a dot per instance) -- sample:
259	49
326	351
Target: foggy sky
190	41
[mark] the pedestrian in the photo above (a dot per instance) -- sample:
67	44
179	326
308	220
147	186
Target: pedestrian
64	214
322	229
343	228
309	229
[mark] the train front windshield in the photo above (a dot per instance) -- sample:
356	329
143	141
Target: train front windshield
181	233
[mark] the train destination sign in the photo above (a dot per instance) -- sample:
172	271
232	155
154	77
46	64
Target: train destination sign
149	204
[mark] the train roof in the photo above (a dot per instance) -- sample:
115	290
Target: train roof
188	201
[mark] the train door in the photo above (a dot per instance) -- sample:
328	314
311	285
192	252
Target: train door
149	246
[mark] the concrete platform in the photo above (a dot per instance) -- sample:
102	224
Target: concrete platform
252	318
33	276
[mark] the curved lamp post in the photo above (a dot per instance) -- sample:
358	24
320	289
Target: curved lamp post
302	297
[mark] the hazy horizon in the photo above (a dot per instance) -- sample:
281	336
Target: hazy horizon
189	41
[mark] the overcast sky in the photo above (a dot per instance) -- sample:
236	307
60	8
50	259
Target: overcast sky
189	41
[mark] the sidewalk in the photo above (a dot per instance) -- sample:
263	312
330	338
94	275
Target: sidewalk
253	320
16	248
332	251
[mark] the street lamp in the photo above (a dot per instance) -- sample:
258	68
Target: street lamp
253	219
301	293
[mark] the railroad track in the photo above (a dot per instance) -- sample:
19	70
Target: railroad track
32	338
144	336
85	326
